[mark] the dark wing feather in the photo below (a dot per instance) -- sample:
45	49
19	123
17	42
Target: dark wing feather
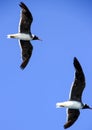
27	48
73	115
79	82
25	19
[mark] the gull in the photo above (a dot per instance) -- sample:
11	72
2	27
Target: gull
75	97
24	35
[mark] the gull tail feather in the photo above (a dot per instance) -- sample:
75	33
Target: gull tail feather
58	105
11	36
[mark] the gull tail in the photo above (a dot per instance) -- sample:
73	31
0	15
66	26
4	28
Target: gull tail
11	36
59	104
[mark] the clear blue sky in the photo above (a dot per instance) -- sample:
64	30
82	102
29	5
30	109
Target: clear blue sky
28	98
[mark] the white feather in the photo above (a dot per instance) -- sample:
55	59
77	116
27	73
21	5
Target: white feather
21	36
69	104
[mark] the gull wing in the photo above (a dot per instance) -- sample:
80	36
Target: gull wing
25	19
79	82
72	116
26	48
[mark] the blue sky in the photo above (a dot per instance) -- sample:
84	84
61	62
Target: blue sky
28	97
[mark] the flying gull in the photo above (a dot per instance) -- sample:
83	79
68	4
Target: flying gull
24	35
75	97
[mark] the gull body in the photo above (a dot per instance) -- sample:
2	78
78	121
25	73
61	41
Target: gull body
21	36
69	104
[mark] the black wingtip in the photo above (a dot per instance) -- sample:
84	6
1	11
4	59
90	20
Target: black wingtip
67	125
22	67
24	64
22	5
77	64
26	10
75	60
